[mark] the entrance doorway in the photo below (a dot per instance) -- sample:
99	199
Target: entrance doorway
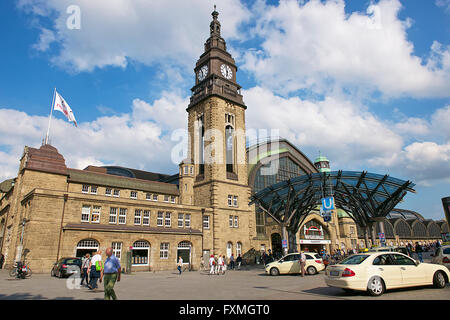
86	246
312	247
277	249
184	251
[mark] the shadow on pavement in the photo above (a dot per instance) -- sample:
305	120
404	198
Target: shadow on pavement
21	296
333	292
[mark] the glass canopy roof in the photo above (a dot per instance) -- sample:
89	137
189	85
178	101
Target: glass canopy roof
363	195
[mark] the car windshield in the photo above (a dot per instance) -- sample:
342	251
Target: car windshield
72	261
356	259
446	251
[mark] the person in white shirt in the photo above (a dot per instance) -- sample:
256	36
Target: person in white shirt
302	262
211	264
93	273
220	263
180	264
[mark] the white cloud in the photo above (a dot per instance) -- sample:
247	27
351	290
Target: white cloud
140	139
338	127
115	32
317	46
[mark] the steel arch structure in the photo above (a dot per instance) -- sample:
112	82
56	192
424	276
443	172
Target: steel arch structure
362	195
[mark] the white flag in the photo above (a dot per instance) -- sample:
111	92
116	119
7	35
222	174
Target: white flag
63	106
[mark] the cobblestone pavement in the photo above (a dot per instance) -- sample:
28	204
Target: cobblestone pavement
249	284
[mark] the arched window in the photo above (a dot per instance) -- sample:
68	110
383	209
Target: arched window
434	230
229	141
141	253
402	229
388	229
229	249
444	228
238	248
419	230
271	172
314	230
201	143
86	246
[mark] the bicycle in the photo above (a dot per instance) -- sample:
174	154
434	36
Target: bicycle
28	271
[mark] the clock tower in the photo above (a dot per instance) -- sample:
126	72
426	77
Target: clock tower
216	124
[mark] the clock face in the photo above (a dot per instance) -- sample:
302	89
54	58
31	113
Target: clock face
202	73
226	71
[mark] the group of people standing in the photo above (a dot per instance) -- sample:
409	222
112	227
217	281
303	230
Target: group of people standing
94	269
218	264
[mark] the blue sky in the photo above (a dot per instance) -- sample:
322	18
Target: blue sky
365	82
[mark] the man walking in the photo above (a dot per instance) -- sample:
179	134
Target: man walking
95	268
111	273
302	262
239	261
419	251
232	262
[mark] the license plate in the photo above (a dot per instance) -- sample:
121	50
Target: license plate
334	273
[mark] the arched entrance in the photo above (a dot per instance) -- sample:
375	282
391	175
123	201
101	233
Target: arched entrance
184	251
314	237
86	246
277	249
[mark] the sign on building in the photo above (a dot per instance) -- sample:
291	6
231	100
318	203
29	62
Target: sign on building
284	243
328	204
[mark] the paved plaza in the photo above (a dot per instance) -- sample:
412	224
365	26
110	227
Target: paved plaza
247	284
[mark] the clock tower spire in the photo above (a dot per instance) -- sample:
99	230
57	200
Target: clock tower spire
215	70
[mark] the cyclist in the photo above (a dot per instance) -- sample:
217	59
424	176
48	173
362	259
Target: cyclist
20	273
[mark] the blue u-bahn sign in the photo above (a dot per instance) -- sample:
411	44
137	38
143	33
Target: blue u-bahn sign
328	204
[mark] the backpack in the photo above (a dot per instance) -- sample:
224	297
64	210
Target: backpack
98	265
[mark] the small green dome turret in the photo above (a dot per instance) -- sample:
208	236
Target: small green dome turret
322	163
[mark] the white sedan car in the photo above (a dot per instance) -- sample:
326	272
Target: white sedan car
290	264
376	272
442	256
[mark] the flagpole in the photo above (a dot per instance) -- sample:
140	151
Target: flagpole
50	117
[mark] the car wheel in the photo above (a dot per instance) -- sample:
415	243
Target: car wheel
274	272
311	270
439	280
376	287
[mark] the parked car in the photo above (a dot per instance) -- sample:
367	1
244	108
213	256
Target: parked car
376	272
389	249
442	256
66	267
290	264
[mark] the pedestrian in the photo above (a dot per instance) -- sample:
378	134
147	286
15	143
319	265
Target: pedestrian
2	260
202	263
111	272
180	264
264	257
302	262
95	268
212	263
325	259
84	268
419	251
220	263
232	262
216	264
239	261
